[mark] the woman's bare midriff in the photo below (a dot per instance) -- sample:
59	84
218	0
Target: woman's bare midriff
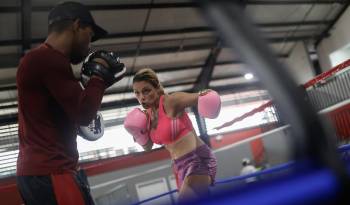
184	145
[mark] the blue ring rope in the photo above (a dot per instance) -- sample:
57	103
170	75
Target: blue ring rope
343	148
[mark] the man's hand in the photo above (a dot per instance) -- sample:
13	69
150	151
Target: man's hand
104	64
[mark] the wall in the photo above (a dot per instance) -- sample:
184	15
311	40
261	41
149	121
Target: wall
277	147
116	178
339	37
9	194
126	177
122	173
103	183
299	64
229	164
233	137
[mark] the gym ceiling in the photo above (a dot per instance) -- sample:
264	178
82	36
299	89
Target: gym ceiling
169	36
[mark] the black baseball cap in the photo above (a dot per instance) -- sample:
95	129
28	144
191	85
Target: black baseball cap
75	10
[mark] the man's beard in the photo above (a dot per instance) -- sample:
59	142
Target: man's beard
77	55
76	58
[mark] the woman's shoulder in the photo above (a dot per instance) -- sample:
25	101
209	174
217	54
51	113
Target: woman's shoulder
170	102
172	96
168	99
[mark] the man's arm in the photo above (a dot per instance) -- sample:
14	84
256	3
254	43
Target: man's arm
80	105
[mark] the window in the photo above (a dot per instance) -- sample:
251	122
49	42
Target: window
340	55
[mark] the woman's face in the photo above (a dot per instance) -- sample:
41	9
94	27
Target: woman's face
146	94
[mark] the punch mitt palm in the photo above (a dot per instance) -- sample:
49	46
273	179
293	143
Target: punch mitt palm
111	71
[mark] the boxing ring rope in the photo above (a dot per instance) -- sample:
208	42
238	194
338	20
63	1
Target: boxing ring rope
311	140
338	110
312	146
248	114
344	150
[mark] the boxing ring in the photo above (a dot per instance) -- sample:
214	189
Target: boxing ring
316	174
323	178
319	172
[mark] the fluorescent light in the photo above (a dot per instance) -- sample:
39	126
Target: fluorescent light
248	76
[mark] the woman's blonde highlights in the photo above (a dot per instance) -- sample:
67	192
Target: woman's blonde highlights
148	75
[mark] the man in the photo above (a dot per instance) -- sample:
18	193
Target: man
248	168
52	105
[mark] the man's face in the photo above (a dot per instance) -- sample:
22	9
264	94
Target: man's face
81	44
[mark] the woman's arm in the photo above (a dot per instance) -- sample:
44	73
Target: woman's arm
178	101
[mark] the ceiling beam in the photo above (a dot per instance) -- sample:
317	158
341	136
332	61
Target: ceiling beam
202	82
12	118
186	67
172	84
177	31
26	16
164	50
12	42
10	9
158	70
9	106
292	23
185	48
293	2
220	89
14	104
325	33
105	7
205	75
155	51
161	32
7	61
127	89
8	88
8	119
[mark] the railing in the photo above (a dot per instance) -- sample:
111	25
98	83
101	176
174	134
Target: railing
330	88
8	149
8	159
329	93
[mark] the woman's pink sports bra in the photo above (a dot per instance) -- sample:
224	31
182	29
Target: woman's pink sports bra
169	129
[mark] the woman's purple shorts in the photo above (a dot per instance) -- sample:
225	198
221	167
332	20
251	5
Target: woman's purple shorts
200	161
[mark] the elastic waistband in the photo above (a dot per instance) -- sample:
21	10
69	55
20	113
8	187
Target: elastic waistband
199	148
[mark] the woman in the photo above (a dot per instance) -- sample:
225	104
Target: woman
194	164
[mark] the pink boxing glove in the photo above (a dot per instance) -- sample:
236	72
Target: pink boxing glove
209	104
136	124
